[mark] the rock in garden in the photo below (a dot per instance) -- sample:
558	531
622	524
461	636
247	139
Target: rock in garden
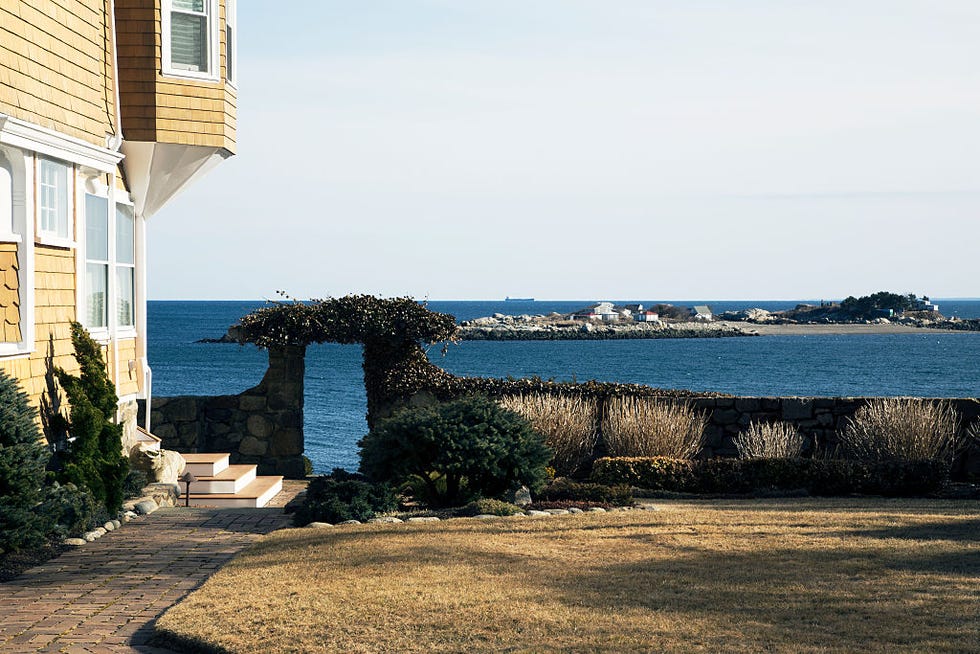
557	511
75	542
109	526
162	466
319	525
115	523
484	516
596	509
90	536
385	520
424	518
146	507
350	522
575	509
538	514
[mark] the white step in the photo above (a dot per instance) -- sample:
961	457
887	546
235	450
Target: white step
230	480
257	494
205	464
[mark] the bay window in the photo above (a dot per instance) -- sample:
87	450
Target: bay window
125	266
110	266
96	262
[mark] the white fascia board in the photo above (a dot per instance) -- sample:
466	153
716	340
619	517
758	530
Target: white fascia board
28	136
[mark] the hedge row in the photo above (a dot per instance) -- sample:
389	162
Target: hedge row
738	476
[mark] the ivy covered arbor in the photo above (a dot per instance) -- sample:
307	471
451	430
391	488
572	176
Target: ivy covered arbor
394	333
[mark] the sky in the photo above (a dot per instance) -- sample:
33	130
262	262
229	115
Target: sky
591	149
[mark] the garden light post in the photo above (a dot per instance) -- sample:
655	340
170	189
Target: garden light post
188	478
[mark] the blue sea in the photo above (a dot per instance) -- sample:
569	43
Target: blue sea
943	364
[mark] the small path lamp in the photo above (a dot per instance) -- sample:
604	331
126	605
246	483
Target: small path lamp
188	478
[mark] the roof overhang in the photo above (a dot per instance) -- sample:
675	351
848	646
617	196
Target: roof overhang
156	172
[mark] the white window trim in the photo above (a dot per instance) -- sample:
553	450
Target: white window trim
126	331
112	331
23	200
101	333
51	238
214	44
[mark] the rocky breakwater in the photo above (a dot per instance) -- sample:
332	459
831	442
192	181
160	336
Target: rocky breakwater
555	327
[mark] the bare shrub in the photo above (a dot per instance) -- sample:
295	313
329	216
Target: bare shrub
769	440
901	428
568	424
643	426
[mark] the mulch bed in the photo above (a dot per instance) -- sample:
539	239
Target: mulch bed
11	565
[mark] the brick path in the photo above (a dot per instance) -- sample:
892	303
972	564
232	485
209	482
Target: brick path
105	596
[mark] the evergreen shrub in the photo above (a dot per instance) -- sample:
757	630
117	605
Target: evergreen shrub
94	458
458	450
23	461
341	496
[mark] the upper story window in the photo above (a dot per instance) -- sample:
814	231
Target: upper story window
54	199
231	44
190	38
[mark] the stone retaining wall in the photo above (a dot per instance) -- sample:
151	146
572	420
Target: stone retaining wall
819	419
262	426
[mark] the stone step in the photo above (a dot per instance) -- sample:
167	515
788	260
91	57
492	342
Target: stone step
255	495
230	480
205	464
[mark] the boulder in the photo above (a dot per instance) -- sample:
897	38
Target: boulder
74	542
161	466
146	507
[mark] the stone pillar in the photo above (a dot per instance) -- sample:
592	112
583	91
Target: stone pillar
274	427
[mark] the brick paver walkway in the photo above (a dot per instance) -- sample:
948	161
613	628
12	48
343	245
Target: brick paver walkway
105	596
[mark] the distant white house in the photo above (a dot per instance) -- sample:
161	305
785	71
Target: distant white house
702	312
646	316
603	311
925	305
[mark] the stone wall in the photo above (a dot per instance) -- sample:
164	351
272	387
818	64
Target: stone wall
819	419
262	426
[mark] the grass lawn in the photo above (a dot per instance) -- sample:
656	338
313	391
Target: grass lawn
787	575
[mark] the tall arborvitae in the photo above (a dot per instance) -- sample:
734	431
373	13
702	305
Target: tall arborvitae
23	457
94	459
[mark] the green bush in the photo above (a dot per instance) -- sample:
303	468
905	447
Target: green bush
654	473
490	507
94	458
472	445
71	509
341	496
739	476
23	459
562	490
135	482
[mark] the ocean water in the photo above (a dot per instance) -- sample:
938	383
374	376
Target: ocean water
941	364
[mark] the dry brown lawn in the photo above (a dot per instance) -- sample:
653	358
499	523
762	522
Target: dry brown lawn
788	575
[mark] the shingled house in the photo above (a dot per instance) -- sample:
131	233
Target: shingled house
108	108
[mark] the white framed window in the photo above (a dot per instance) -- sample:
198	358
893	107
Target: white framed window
96	263
125	267
231	42
110	267
55	193
190	38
